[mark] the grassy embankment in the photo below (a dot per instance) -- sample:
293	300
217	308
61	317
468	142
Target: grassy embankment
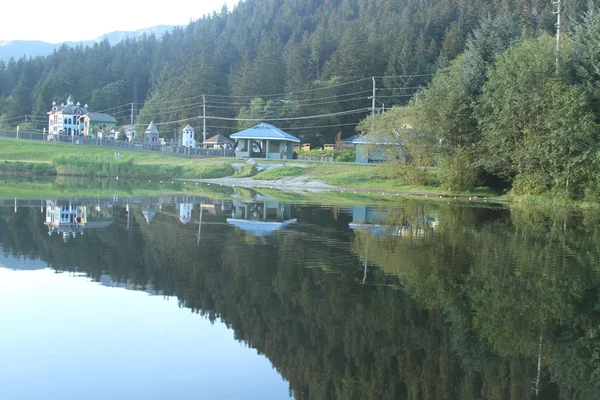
49	159
40	158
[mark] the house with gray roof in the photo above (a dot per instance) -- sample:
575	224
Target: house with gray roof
264	141
218	142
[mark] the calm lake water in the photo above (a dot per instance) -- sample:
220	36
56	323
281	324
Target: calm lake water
193	298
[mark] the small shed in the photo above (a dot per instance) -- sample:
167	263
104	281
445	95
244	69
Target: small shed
218	142
371	150
264	141
151	135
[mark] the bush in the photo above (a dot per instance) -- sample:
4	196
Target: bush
457	171
19	168
209	170
246	171
278	173
531	184
338	155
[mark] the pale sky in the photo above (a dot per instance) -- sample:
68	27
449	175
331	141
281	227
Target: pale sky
66	21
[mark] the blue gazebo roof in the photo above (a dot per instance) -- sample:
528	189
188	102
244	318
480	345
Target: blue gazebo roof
264	131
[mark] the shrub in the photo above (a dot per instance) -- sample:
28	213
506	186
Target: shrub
531	183
279	172
246	171
338	155
457	171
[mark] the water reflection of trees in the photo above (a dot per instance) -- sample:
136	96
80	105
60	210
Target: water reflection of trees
487	283
521	283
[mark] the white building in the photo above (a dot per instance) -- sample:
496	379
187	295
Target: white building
66	118
187	139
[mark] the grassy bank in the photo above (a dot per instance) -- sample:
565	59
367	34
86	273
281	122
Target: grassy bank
30	158
41	188
43	159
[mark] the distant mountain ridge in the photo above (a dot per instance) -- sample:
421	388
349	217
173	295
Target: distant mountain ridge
33	48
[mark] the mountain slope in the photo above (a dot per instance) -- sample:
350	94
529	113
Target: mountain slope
34	48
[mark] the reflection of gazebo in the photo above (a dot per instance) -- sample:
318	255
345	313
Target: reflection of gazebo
264	141
261	218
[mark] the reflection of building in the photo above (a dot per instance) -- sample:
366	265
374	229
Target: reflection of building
261	218
68	219
149	212
65	218
379	222
185	212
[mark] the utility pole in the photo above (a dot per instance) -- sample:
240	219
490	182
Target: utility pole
203	118
132	118
373	97
558	11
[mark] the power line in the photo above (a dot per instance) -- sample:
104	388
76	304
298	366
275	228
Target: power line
291	103
349	112
297	101
295	92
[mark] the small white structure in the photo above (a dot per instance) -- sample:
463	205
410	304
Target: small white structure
187	139
152	134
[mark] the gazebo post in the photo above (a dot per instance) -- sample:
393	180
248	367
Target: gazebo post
267	149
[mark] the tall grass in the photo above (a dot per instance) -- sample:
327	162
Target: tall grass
103	167
279	172
31	169
246	171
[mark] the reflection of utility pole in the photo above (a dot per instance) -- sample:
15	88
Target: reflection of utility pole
537	380
200	225
366	259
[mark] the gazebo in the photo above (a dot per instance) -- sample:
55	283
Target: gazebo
264	141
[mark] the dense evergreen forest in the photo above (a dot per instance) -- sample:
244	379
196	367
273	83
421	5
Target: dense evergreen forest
444	315
476	87
267	60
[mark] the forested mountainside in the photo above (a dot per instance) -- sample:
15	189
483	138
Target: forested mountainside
300	57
